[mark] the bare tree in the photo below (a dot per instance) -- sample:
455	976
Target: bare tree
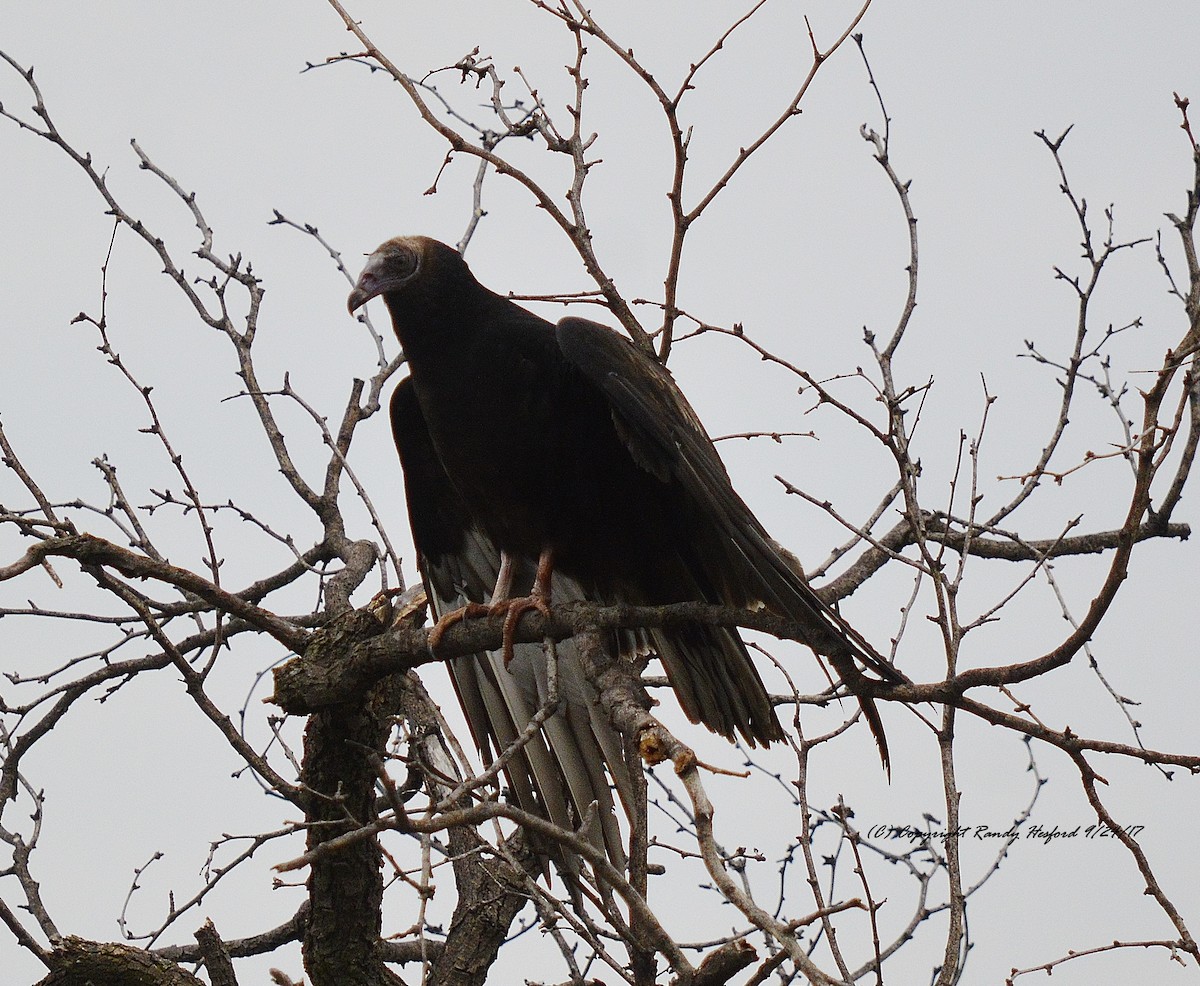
384	797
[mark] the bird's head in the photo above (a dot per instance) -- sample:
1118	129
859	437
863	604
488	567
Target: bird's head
389	268
402	262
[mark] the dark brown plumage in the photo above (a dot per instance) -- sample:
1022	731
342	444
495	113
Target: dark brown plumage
560	771
567	444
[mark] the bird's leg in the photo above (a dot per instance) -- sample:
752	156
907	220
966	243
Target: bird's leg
538	598
513	609
503	588
499	601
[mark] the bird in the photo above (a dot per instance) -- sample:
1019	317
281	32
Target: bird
575	457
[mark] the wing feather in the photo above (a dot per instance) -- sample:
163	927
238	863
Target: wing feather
666	438
560	770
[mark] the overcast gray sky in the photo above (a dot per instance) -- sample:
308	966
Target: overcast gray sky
805	249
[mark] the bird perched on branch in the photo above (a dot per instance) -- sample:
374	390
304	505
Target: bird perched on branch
569	463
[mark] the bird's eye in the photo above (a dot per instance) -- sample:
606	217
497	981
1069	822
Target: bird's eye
402	261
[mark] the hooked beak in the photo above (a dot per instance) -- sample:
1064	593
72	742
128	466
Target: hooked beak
368	286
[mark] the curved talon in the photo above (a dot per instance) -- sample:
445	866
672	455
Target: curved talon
455	616
516	609
513	609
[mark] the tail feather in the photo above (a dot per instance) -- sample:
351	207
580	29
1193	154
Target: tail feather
772	575
561	770
717	684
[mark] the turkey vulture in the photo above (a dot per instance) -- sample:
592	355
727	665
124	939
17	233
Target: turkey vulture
566	450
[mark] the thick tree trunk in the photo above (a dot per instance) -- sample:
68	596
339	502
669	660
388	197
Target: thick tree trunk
342	748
